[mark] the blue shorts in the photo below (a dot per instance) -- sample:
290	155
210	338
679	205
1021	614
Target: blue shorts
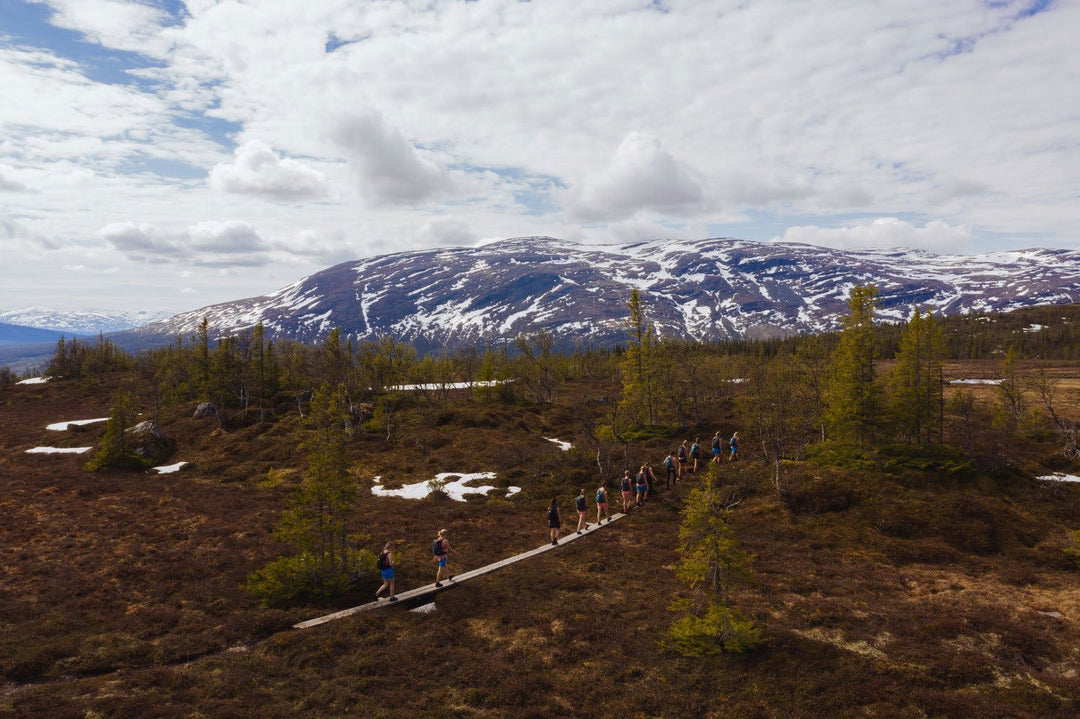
442	561
387	573
716	451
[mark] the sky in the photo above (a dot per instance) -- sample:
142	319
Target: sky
167	155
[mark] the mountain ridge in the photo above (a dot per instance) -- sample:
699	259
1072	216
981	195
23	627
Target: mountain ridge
707	289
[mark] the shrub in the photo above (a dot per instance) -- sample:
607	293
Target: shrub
1073	552
300	578
722	629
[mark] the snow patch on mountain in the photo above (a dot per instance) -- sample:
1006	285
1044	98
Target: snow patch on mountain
83	322
708	289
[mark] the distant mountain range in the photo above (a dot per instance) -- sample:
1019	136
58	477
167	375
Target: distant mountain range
79	322
707	289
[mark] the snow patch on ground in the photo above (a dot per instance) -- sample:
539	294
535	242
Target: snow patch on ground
169	468
34	380
448	385
564	446
1059	478
456	490
424	608
58	450
61	426
976	381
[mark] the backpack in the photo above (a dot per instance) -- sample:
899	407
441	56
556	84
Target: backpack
695	449
682	452
380	563
437	548
668	462
601	496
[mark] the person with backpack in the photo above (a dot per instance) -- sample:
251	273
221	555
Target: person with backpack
581	504
385	565
626	486
695	454
641	485
716	450
671	468
682	455
601	503
440	551
554	521
734	444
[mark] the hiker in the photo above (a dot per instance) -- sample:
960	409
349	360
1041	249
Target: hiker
683	452
716	451
650	478
625	484
581	505
641	484
385	565
601	504
671	467
734	444
554	521
695	454
440	550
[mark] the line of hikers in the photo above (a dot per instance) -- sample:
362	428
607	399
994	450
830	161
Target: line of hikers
440	552
635	490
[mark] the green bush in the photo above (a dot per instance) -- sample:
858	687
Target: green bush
300	578
722	629
1073	552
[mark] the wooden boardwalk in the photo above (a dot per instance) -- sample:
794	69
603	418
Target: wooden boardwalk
459	578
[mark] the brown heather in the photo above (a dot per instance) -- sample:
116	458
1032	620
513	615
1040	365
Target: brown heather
899	593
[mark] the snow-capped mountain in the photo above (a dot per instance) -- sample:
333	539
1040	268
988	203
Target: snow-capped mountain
84	322
704	289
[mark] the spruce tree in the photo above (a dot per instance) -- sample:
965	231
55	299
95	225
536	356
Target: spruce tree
638	371
853	398
115	450
915	389
712	563
319	519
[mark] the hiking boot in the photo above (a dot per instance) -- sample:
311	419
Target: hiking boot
438	584
579	531
451	578
554	542
393	599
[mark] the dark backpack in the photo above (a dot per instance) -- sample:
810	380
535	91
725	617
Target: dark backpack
381	562
437	547
682	452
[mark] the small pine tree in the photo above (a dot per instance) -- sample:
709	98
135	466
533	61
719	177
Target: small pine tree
318	520
115	451
712	563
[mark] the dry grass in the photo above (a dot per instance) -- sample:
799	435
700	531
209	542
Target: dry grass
882	596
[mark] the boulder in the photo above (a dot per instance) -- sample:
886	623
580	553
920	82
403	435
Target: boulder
205	409
149	442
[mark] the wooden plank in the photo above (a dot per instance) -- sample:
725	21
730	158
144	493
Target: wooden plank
458	578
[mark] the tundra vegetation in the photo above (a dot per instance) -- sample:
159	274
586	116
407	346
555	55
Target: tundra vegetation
883	547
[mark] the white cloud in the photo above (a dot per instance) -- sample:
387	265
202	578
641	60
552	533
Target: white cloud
479	119
641	176
450	231
884	233
391	170
132	26
258	170
208	244
9	182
